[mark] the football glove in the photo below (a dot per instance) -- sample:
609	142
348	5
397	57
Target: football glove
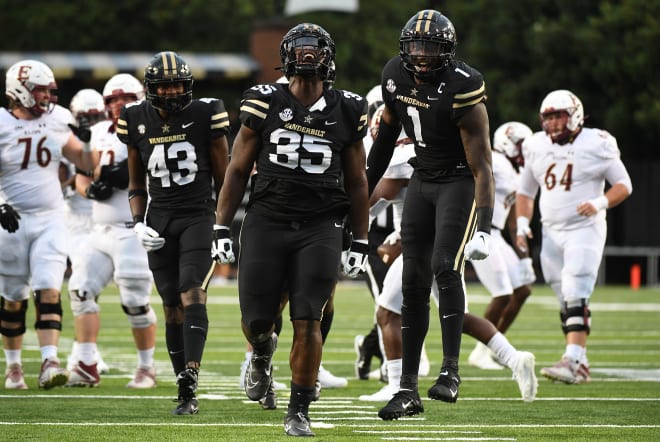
526	271
477	248
99	191
83	133
393	238
9	218
356	259
115	174
222	247
522	227
148	237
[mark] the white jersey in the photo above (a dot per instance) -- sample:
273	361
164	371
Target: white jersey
116	209
569	175
30	153
506	182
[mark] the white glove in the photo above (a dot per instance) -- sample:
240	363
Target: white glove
356	258
522	227
222	247
477	248
148	237
393	238
526	271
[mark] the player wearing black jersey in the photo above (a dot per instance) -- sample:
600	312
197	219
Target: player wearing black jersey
440	103
306	140
180	144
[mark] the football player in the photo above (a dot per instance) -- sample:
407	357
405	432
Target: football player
568	165
111	252
441	104
35	133
179	146
507	273
88	108
306	140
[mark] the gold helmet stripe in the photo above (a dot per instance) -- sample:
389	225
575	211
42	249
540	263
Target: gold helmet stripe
169	63
424	22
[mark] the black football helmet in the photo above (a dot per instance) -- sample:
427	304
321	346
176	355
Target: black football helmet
427	43
164	68
308	50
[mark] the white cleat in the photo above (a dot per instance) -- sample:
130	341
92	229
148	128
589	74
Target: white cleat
329	380
523	373
52	375
144	378
385	394
14	379
567	372
101	365
481	357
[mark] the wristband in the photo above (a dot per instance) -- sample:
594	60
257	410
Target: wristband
600	203
484	219
360	246
220	227
138	219
86	147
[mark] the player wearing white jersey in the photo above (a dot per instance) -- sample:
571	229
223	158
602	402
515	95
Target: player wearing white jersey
569	164
35	134
112	251
506	273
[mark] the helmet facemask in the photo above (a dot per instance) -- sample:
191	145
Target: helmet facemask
308	50
25	83
561	105
164	69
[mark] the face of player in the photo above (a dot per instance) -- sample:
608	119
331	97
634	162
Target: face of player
554	124
170	89
43	97
115	103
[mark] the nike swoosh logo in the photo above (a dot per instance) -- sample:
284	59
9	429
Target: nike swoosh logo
432	98
330	123
407	405
448	316
338	225
187	125
444	373
453	392
200	328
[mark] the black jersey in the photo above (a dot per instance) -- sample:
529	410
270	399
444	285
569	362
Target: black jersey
175	151
299	170
429	113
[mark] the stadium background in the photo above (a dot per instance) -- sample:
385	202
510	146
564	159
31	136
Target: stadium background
601	50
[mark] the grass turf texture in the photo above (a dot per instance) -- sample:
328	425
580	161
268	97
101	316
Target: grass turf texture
621	403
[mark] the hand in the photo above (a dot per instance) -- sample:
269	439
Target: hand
392	238
526	271
148	237
356	259
222	247
9	218
523	231
115	174
477	248
99	191
83	133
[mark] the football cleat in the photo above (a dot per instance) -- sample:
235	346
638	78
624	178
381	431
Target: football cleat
83	375
383	395
362	363
481	357
567	372
523	373
52	375
446	386
187	382
269	401
329	380
14	379
258	374
404	403
297	425
144	378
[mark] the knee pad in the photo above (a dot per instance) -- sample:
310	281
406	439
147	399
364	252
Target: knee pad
576	316
141	316
15	317
83	302
47	309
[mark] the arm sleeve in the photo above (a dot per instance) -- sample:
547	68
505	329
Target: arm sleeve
617	173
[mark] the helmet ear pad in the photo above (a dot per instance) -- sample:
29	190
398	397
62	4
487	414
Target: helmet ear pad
163	69
308	50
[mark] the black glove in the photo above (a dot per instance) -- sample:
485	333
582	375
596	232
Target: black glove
83	133
99	191
9	218
116	174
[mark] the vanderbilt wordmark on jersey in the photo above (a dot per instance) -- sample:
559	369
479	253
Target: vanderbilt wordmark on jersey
429	113
175	151
299	170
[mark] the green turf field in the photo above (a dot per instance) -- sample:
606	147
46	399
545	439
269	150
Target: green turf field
621	403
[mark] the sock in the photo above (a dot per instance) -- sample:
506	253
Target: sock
394	373
174	342
13	357
503	350
300	398
195	329
146	358
49	352
87	352
574	352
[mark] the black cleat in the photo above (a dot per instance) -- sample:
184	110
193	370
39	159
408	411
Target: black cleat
187	382
446	386
269	401
258	377
404	403
297	425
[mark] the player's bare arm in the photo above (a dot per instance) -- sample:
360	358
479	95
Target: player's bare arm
137	183
219	154
476	141
244	153
355	183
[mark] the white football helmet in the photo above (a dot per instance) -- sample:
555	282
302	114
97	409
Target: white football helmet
564	100
23	77
374	99
88	107
123	84
508	138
